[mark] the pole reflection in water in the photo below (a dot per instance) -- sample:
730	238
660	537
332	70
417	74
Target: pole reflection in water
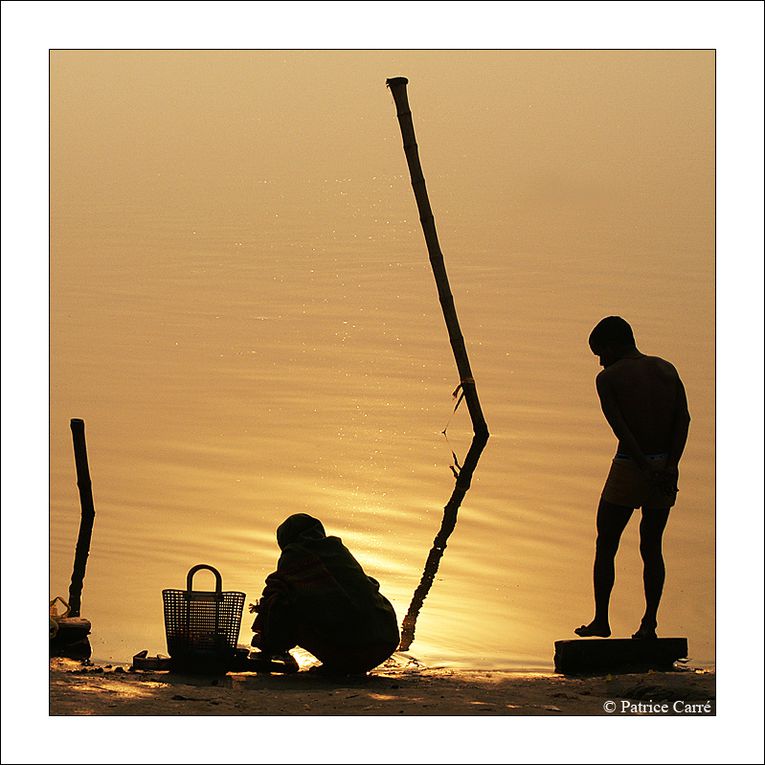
464	476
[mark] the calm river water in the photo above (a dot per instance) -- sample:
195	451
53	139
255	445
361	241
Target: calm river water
243	313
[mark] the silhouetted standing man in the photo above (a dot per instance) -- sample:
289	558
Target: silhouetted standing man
644	401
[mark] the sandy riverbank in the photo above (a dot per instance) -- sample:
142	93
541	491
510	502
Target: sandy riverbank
398	689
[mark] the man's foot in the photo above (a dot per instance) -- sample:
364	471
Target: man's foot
646	631
593	629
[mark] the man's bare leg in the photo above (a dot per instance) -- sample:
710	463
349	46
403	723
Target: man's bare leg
652	527
611	521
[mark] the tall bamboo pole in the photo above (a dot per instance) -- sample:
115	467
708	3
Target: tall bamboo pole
88	514
397	87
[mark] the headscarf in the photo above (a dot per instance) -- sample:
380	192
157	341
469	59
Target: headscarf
300	527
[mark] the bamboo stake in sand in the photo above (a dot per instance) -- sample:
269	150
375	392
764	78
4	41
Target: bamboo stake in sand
86	519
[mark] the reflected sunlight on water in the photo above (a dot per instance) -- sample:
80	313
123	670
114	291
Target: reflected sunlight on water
243	314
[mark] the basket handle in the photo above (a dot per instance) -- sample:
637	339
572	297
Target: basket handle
199	567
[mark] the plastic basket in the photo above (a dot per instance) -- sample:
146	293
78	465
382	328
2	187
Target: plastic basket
202	627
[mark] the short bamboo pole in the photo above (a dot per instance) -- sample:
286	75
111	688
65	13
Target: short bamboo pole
87	516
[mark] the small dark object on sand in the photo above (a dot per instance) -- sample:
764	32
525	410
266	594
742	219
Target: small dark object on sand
142	660
243	660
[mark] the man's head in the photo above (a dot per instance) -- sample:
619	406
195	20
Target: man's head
611	340
300	527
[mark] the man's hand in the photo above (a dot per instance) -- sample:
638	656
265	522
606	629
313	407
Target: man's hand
665	480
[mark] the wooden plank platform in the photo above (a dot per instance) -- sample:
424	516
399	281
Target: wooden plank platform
616	655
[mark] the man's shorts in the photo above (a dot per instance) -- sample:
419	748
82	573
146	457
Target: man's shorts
628	486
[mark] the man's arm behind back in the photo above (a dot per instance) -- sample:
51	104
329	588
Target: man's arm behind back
644	402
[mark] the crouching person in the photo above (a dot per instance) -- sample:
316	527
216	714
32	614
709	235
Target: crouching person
320	599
